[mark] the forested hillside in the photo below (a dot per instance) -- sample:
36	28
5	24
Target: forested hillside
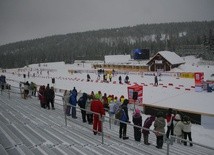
183	38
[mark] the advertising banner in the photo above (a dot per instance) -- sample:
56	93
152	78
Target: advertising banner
199	78
131	97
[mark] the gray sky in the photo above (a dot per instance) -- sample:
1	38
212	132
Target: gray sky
29	19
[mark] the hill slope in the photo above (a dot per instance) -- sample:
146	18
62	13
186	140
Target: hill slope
183	38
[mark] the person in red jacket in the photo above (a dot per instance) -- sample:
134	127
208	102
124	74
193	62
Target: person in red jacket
97	107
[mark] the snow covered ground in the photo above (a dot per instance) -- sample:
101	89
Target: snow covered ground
161	96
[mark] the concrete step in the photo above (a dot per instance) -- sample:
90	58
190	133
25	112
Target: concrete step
2	150
10	135
5	141
46	135
24	150
20	135
13	151
36	140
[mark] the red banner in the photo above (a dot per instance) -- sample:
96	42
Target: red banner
199	78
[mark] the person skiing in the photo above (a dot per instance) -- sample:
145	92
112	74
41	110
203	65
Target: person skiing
88	78
120	79
156	80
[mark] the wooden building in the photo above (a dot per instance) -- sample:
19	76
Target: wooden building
165	61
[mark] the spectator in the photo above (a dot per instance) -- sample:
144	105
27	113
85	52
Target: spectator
111	110
116	107
105	102
82	102
92	94
33	89
187	129
122	98
89	114
26	89
52	96
178	127
110	77
137	120
124	119
47	96
147	124
100	95
73	102
41	96
159	125
98	111
169	120
66	99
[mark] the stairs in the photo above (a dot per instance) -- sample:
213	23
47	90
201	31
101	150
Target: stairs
25	128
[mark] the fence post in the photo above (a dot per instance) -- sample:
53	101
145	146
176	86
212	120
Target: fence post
102	120
169	141
65	106
8	93
110	120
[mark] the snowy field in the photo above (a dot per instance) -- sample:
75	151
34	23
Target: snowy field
167	96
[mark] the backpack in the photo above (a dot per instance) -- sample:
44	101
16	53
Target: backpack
123	116
118	113
80	102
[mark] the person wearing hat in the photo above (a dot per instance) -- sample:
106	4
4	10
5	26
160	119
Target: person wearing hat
100	94
105	102
89	114
73	102
178	127
147	124
124	118
98	111
159	125
137	120
82	102
187	129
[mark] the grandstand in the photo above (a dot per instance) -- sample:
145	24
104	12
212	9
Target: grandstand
28	129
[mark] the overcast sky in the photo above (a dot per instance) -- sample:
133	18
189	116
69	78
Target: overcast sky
29	19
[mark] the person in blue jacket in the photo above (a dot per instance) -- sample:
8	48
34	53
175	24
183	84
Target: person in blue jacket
125	119
73	102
